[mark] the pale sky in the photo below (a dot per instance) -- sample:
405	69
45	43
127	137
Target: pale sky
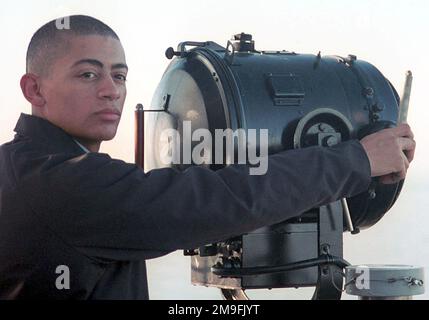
392	35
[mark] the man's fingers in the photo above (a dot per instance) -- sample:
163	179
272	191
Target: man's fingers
399	175
408	146
410	154
406	162
403	130
387	179
393	177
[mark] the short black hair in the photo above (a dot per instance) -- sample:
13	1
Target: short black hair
50	37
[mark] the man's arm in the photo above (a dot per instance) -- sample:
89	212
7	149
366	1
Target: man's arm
94	202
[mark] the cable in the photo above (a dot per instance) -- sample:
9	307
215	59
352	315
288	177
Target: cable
325	259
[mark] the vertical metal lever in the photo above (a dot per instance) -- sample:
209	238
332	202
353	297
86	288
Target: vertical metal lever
347	217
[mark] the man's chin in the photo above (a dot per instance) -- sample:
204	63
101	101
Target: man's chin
107	136
105	132
97	138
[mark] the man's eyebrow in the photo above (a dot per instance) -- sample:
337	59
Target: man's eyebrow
120	66
100	64
90	61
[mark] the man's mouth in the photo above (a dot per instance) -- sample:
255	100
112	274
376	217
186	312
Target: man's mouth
109	114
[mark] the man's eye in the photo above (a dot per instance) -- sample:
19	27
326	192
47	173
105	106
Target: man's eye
121	77
88	75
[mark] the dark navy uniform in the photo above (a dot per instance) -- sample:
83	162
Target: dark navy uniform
102	218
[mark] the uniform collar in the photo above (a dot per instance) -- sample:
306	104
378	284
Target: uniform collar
47	135
82	146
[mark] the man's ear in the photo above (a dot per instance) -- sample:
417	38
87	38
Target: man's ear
30	86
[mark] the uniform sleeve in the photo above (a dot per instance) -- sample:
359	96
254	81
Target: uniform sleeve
111	209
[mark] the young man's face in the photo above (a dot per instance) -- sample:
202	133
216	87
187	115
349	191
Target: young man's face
85	89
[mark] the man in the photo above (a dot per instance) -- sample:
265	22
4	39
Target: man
69	212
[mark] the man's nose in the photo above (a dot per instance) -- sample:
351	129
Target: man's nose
109	89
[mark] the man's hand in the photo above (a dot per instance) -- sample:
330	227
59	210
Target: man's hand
390	152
